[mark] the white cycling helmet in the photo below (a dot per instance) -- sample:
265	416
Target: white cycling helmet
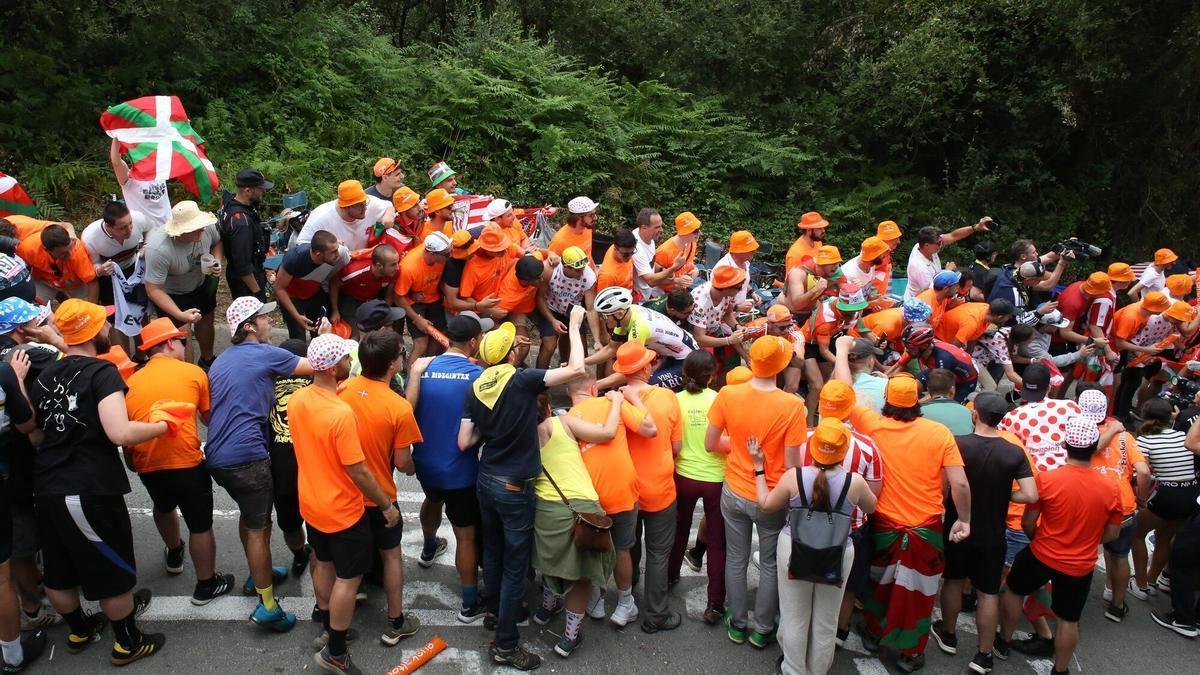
613	299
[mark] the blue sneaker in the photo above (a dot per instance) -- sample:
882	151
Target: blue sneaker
278	621
279	575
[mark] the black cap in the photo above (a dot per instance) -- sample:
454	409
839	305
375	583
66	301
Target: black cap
984	248
295	346
252	178
374	314
862	348
1036	382
529	269
1001	307
465	326
990	402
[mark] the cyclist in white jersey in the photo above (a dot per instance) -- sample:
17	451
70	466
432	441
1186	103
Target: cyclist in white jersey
657	332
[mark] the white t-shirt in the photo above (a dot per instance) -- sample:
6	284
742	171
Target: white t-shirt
565	292
643	263
1152	280
150	199
352	234
854	274
706	314
921	271
102	247
728	261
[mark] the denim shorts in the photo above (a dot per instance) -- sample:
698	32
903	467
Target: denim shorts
1016	541
251	486
1124	541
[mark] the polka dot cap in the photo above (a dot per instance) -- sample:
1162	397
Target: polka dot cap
326	350
1081	432
1093	405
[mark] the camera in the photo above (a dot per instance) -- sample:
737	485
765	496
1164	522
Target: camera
1081	249
1182	393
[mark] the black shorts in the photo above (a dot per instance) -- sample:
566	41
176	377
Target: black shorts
251	487
87	543
859	581
6	522
983	565
1067	595
624	529
351	550
385	537
812	351
24	531
462	504
284	474
546	330
1174	501
200	298
188	489
433	312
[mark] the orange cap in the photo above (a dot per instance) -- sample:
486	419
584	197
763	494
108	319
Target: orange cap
686	223
437	199
1120	272
384	166
1164	256
632	357
902	391
159	331
769	355
1180	285
493	238
828	255
1180	311
873	247
350	192
837	400
777	313
829	442
738	375
461	244
116	355
404	199
727	277
812	221
79	320
1155	302
1097	283
742	242
342	329
888	230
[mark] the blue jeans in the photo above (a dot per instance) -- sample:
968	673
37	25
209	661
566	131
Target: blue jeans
506	510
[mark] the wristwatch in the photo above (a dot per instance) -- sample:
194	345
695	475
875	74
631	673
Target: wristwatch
760	472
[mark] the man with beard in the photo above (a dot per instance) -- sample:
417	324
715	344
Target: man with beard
581	220
812	235
244	237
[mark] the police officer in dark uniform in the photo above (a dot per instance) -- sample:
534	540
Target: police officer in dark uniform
244	237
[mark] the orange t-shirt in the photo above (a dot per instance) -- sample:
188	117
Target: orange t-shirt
483	273
963	323
665	255
1128	321
1017	511
417	280
429	227
654	458
610	464
514	297
1076	503
27	226
325	436
73	272
385	422
798	251
566	238
886	323
614	273
1109	463
165	378
929	296
778	419
915	454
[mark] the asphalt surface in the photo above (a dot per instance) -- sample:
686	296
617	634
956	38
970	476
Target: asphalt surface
218	638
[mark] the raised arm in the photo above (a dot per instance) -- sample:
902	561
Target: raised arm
120	169
574	368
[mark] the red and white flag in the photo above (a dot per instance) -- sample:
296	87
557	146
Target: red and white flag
158	137
13	198
470	210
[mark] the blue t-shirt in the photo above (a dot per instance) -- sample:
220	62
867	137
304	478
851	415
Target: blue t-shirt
242	387
437	459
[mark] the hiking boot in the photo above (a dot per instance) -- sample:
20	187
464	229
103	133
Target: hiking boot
141	601
44	618
427	558
322	640
1171	622
693	560
982	663
300	560
96	622
624	614
33	643
760	640
278	620
208	591
713	613
1035	645
736	635
911	664
341	665
173	559
409	626
596	608
946	641
489	619
670	622
149	645
471	614
517	657
278	576
545	615
1114	613
566	646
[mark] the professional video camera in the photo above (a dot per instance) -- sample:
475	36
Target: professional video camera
1080	249
1182	392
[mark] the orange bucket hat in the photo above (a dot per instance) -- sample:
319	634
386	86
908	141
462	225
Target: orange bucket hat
738	375
769	355
437	199
1097	283
742	242
493	239
686	223
1180	285
1121	272
902	391
1180	311
873	247
812	221
1164	256
1155	302
350	192
79	320
888	230
404	199
727	277
632	357
461	244
829	442
837	400
828	255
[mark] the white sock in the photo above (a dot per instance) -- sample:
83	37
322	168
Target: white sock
625	596
13	653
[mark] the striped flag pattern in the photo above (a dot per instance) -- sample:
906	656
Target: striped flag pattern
158	137
470	210
13	198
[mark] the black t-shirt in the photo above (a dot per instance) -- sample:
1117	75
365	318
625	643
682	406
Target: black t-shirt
15	446
452	272
991	464
76	457
14	409
509	429
244	238
1184	420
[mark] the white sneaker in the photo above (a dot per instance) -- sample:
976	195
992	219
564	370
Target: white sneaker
624	614
1139	593
45	618
595	608
1163	583
1107	594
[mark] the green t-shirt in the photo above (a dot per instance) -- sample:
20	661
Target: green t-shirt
694	461
954	416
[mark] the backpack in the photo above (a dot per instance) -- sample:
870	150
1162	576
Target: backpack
818	538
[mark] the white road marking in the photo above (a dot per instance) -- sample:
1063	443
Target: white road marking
1042	666
870	667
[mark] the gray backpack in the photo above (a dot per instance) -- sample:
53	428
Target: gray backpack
818	538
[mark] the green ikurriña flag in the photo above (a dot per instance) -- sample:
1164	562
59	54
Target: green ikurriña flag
13	198
158	137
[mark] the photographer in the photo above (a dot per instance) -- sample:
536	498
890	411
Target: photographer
1025	251
1016	285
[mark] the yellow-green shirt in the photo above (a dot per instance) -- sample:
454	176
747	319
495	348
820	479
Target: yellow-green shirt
561	458
694	461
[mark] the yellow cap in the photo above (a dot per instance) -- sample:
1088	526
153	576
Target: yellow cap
497	343
574	257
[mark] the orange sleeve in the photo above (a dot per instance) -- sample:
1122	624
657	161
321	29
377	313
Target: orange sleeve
631	417
1131	449
1123	326
345	435
864	420
469	281
403	282
81	263
406	428
676	420
716	412
559	243
205	402
950	454
797	429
